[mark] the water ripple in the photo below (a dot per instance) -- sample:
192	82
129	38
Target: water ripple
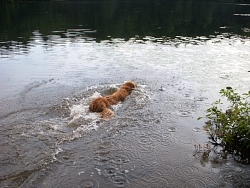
119	181
196	183
184	113
88	183
171	129
196	129
187	171
186	140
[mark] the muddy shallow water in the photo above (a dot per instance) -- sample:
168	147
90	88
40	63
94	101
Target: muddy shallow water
49	138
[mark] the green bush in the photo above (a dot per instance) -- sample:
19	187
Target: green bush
230	128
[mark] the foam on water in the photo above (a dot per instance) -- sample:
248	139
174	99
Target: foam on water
143	94
81	119
80	114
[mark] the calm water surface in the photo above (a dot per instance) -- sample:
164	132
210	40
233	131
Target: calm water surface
56	57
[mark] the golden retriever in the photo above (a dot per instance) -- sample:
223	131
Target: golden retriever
102	104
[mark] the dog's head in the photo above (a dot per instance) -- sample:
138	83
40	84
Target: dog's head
129	86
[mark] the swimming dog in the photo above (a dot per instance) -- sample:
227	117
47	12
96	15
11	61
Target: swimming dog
102	104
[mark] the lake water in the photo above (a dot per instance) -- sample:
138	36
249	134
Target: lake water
55	57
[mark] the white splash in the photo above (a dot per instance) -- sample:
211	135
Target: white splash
80	114
142	94
85	121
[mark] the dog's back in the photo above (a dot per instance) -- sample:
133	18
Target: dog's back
102	104
99	104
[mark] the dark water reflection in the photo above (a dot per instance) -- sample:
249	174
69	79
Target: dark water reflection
56	57
103	20
120	19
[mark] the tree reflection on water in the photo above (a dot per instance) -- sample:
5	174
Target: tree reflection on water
120	19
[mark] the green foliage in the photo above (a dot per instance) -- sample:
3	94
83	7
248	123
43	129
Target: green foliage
230	128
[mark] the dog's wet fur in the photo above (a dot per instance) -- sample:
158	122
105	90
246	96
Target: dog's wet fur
102	104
